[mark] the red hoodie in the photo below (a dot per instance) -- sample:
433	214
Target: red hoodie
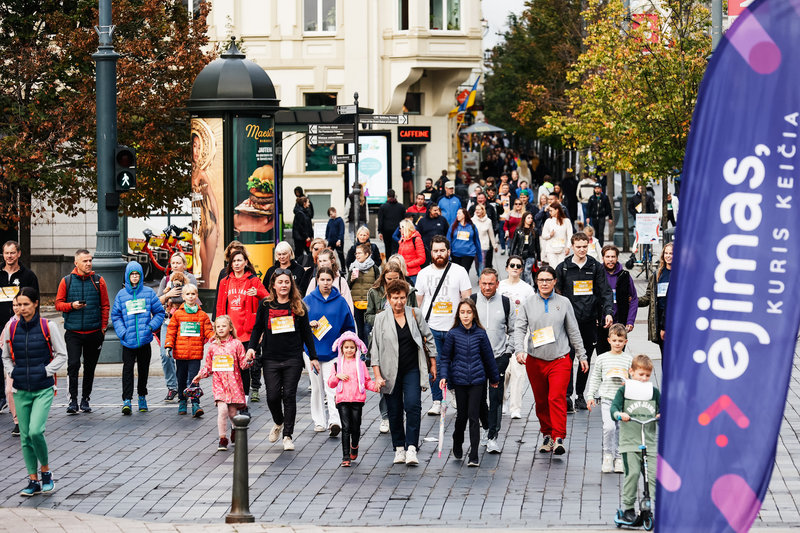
232	300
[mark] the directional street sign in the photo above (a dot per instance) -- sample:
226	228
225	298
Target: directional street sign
330	133
383	119
347	109
342	159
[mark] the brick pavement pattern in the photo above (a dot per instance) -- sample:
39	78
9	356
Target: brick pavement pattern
163	468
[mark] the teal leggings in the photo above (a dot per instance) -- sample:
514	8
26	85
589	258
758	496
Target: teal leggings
32	410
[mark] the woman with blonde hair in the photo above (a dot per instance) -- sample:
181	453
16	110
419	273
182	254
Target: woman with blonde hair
411	248
656	298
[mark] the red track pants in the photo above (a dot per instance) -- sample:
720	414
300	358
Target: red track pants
549	380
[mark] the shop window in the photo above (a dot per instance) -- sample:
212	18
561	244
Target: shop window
413	103
445	14
319	15
317	156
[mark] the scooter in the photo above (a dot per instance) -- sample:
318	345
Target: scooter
645	517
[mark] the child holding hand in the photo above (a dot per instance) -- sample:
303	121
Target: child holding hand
226	355
350	379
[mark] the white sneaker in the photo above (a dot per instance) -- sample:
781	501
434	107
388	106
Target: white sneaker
436	408
516	415
411	456
608	463
319	429
384	426
619	468
492	447
484	437
288	445
399	455
275	433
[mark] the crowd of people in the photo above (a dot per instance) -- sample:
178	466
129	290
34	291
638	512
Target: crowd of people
395	324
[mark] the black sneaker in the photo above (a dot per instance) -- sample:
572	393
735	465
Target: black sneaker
245	412
171	395
580	404
629	516
458	453
33	488
72	408
570	407
15	431
85	406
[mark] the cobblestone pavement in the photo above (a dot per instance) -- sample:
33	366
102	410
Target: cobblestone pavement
164	469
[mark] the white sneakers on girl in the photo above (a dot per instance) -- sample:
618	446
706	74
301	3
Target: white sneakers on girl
275	433
411	456
288	445
384	426
399	455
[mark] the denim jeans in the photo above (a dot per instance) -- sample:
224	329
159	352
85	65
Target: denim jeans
167	362
438	338
406	397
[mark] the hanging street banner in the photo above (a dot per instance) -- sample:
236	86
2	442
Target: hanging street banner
733	313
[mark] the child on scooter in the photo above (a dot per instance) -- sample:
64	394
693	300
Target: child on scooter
639	399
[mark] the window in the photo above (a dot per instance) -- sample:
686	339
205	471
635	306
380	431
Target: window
413	103
319	15
445	12
317	156
402	14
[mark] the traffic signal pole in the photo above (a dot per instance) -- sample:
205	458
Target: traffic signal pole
107	259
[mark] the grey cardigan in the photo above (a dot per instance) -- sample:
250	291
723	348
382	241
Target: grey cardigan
560	316
384	346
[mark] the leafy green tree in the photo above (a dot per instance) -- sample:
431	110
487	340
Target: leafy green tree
47	101
528	69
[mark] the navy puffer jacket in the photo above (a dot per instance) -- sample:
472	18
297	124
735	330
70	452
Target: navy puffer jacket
467	357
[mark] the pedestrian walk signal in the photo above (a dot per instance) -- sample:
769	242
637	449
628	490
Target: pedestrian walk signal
125	168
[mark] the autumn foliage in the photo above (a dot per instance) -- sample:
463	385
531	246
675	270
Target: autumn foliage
47	101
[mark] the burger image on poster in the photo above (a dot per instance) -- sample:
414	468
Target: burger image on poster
256	212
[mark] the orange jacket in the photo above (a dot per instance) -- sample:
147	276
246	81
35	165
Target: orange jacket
185	346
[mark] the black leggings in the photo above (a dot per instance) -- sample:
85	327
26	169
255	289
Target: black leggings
464	261
469	398
281	379
350	414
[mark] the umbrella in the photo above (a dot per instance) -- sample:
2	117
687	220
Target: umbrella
441	420
482	127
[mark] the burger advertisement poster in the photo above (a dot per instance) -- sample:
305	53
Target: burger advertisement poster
254	188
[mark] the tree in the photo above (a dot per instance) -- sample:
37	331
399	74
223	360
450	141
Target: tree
47	101
528	76
635	85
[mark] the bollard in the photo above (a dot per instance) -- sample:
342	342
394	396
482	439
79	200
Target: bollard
240	502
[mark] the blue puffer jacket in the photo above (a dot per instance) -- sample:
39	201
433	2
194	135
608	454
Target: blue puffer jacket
467	357
135	330
337	312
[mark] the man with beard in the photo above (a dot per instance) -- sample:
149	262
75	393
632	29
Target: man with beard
430	192
440	287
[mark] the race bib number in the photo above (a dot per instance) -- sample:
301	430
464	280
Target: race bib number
322	328
662	289
543	336
583	287
8	294
617	373
462	236
136	307
222	363
443	308
190	329
427	196
361	304
282	324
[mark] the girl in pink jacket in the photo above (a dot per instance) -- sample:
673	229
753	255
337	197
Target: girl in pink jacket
226	355
351	380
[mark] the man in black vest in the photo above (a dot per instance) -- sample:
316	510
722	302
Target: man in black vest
13	277
83	299
582	279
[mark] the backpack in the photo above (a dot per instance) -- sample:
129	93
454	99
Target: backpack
504	299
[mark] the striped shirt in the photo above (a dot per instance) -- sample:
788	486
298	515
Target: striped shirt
609	372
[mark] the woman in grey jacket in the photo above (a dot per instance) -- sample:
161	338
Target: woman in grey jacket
398	347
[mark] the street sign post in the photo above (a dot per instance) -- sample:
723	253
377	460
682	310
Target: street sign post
330	133
384	119
347	109
339	159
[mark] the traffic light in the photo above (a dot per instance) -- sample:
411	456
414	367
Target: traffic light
125	168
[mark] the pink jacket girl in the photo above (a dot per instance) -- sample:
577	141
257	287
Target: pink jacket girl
354	388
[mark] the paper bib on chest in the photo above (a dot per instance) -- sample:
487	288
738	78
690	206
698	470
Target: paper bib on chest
222	363
136	307
190	329
582	287
443	308
282	324
543	336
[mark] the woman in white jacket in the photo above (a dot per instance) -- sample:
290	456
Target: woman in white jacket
486	234
557	232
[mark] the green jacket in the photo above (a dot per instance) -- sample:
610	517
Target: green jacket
649	301
360	286
630	433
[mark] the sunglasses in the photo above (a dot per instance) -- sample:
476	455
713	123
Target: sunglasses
282	271
515	265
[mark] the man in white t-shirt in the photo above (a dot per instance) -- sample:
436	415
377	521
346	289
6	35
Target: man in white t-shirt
516	290
440	312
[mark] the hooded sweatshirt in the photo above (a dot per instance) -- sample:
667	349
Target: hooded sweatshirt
137	311
336	312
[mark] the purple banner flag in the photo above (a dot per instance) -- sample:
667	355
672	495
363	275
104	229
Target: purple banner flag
734	299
